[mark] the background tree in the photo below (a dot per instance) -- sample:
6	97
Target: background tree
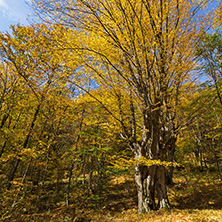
35	106
54	138
210	53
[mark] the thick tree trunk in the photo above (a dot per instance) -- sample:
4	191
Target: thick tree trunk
163	201
149	180
145	181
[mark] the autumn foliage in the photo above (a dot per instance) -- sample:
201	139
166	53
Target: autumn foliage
106	89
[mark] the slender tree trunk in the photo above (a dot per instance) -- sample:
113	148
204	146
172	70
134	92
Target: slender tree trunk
90	182
17	160
5	143
201	158
20	188
171	153
205	161
12	173
73	166
218	167
3	148
84	174
5	117
58	183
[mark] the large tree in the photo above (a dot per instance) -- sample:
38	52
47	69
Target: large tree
147	49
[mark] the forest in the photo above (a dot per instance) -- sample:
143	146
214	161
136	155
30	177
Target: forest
111	110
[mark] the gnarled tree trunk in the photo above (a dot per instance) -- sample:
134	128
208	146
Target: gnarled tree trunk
161	184
145	182
151	182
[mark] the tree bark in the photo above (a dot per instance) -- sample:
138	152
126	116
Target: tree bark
171	152
163	201
145	182
151	181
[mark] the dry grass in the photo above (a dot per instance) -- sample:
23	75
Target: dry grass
163	216
194	200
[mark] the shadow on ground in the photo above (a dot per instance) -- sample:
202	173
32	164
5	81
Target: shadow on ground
198	196
120	196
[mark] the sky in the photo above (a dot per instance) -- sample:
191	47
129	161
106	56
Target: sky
17	11
13	12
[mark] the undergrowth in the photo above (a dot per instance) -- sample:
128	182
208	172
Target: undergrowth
196	197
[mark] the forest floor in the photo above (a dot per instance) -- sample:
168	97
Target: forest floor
195	198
